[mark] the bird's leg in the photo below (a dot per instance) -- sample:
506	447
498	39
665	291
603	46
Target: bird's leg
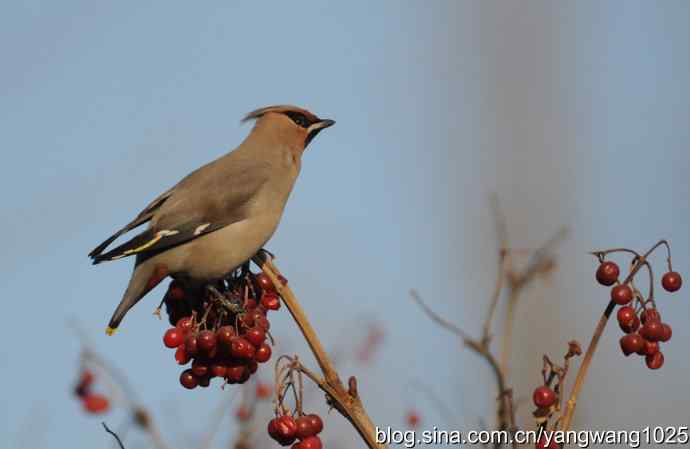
217	296
214	292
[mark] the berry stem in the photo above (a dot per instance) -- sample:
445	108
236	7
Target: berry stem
637	263
349	405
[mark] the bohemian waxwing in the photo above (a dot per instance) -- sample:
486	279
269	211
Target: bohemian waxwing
219	216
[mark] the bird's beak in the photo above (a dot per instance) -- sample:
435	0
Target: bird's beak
315	128
323	124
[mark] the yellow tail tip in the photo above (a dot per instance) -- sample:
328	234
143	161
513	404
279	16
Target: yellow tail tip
110	330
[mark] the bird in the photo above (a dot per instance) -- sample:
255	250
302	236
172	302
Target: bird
220	215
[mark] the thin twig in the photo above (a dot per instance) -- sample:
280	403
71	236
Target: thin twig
486	336
345	400
505	416
540	260
117	438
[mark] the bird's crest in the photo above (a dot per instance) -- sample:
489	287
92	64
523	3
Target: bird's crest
281	109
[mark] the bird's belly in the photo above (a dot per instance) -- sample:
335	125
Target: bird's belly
216	254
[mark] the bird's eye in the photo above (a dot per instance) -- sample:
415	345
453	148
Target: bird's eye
299	118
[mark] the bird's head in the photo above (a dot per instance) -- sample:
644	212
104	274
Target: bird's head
293	125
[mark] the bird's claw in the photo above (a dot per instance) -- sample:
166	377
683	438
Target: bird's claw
262	256
213	291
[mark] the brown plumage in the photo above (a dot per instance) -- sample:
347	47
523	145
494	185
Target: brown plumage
221	214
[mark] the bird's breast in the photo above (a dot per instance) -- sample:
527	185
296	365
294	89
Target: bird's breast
214	255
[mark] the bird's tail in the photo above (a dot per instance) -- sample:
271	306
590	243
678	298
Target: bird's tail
144	278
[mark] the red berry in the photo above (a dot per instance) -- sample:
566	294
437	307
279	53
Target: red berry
249	304
672	281
191	345
262	322
243	413
265	282
181	355
650	315
627	319
642	348
217	369
282	279
200	368
304	428
86	378
631	343
241	348
236	373
224	335
173	337
621	294
255	336
312	442
316	423
655	361
255	315
204	381
84	385
185	324
206	341
263	390
188	379
652	331
252	366
270	301
283	429
272	430
412	419
607	273
650	347
95	403
263	353
308	425
544	397
247	318
667	332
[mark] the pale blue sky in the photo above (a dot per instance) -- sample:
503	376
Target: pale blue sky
574	114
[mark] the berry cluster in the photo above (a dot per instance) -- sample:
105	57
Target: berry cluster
93	403
285	429
222	330
547	397
638	317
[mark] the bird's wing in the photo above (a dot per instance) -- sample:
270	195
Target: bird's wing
210	198
143	217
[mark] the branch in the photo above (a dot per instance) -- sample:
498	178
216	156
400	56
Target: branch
541	261
506	418
346	401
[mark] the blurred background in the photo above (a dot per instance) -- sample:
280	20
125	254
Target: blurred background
573	113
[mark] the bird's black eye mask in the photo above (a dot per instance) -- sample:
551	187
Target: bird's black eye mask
304	122
300	119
